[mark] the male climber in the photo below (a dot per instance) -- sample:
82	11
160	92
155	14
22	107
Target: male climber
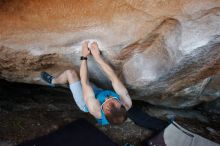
106	106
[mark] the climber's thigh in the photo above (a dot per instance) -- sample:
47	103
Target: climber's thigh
76	89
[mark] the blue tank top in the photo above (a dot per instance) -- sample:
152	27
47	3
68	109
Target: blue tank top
101	96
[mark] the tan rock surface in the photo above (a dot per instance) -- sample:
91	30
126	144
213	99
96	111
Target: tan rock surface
164	50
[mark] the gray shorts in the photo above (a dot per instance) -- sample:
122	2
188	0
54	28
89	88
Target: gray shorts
76	89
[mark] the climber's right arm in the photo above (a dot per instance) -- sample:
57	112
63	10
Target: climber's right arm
88	94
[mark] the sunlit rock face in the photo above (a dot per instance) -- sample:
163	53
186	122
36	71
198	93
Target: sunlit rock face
167	52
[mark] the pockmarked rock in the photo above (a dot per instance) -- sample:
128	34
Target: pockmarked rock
167	52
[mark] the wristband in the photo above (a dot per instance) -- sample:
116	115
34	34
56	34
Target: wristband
83	58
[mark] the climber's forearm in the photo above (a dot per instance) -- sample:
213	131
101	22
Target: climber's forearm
107	69
84	72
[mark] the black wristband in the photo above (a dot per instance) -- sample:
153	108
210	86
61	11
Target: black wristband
83	58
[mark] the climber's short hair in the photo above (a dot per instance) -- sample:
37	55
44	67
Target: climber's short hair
117	115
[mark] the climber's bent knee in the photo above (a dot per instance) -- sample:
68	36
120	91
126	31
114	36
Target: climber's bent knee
71	76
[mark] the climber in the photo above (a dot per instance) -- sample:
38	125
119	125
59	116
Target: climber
106	106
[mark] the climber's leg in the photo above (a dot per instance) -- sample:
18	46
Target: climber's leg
69	76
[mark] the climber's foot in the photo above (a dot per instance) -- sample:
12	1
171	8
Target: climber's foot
47	78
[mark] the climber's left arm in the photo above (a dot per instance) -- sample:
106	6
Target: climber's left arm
116	83
122	92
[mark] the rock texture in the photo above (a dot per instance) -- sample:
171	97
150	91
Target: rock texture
166	51
26	113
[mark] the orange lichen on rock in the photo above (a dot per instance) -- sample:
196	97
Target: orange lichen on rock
164	50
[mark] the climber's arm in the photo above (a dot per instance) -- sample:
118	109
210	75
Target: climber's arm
88	94
122	92
116	83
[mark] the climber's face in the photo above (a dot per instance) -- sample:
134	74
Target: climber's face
110	103
114	111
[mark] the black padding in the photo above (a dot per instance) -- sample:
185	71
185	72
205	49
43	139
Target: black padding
77	133
144	120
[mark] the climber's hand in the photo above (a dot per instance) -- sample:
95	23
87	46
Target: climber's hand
85	49
95	50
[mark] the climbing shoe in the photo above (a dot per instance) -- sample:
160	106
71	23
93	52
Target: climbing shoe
47	78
